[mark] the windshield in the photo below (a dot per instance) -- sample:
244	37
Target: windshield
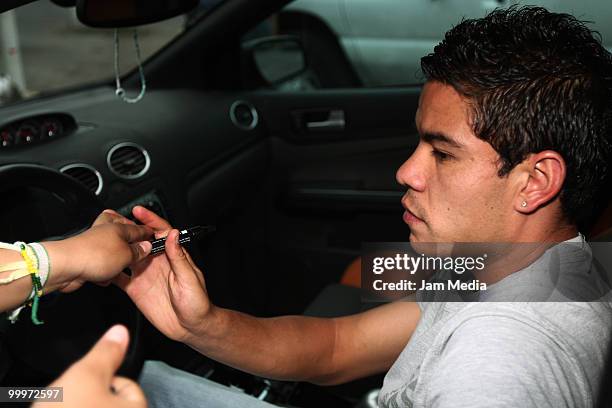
46	49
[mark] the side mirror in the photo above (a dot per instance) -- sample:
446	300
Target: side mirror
129	13
278	58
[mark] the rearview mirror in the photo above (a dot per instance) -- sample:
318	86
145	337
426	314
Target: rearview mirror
129	13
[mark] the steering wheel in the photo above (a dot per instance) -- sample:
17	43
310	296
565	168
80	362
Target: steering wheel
73	321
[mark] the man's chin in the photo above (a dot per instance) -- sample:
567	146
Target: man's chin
416	237
418	244
428	245
430	248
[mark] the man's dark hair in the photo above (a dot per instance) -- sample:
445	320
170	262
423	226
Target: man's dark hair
535	81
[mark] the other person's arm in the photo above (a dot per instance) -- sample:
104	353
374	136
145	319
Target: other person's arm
96	255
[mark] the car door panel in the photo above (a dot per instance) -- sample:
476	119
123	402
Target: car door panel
329	191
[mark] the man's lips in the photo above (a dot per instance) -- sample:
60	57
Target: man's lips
410	218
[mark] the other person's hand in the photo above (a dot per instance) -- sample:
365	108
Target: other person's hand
91	381
101	252
168	288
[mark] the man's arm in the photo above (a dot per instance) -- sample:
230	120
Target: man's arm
170	291
319	350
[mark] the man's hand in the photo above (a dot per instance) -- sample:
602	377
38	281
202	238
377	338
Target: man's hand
167	288
100	253
91	381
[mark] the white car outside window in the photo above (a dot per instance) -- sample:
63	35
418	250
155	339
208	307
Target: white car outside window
385	39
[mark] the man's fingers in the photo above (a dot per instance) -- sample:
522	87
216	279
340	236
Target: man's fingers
179	258
178	261
150	219
107	354
195	268
189	258
128	390
161	234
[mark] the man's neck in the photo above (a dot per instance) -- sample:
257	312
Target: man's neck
537	241
545	232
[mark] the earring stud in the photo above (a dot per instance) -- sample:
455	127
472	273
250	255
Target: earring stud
524	204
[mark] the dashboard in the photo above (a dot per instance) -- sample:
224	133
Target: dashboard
157	153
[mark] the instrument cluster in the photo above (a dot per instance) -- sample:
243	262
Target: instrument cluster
36	129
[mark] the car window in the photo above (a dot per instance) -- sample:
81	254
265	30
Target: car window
46	49
364	43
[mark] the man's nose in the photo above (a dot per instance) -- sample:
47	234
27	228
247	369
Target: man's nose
412	173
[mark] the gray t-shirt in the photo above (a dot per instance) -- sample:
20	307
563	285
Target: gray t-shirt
502	354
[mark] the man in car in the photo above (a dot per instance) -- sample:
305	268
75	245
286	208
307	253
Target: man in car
515	122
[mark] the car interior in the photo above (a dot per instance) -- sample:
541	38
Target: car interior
294	166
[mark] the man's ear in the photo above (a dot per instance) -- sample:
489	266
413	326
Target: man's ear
545	176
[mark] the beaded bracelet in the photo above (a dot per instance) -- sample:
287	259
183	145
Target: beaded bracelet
31	261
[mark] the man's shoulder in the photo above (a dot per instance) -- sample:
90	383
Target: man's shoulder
547	316
529	339
576	333
495	355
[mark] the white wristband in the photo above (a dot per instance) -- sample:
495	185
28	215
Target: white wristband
44	266
35	258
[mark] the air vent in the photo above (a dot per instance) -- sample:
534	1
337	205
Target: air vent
86	175
128	160
244	115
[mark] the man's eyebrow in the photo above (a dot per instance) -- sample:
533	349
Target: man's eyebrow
440	137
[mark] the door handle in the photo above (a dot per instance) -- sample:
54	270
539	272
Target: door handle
335	121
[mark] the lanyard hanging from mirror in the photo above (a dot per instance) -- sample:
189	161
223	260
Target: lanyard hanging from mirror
120	92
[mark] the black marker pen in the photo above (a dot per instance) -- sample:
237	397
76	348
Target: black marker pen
185	236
